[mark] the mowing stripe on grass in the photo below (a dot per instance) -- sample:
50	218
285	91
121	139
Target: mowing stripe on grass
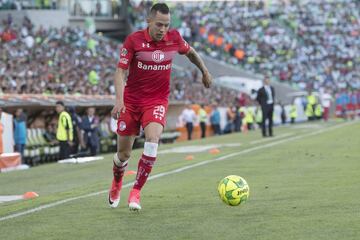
286	140
271	138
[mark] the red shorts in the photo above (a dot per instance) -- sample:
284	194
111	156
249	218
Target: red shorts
135	116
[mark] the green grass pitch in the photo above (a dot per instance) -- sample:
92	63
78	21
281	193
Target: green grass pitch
304	184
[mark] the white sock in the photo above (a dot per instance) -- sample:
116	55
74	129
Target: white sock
150	149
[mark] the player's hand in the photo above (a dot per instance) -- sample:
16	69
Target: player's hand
117	109
207	79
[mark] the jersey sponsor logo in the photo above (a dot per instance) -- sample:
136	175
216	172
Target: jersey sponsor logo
158	56
159	112
146	45
154	67
124	52
122	125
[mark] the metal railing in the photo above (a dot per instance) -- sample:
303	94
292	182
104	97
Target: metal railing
76	8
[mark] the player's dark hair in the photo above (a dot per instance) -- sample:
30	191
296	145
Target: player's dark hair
60	103
159	7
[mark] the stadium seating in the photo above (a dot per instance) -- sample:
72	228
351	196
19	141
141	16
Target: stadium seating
33	66
108	138
306	45
37	149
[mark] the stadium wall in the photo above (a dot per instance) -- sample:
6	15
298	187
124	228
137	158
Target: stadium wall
8	135
34	104
45	18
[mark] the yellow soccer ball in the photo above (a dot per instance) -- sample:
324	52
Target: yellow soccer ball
233	190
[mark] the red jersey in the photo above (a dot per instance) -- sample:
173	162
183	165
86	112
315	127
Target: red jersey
150	65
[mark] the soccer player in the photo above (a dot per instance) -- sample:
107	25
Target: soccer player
143	100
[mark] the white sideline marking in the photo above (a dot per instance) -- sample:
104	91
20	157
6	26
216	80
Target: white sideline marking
197	149
81	159
271	138
37	209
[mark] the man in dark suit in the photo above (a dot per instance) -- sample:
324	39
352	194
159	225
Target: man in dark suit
266	98
90	125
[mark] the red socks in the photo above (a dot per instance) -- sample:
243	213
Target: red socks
119	171
144	168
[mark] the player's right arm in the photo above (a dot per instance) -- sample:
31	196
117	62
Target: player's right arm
119	83
195	58
126	55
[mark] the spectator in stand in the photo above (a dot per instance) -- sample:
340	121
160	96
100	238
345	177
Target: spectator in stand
215	119
60	61
326	99
203	117
249	118
358	103
230	117
64	133
237	119
351	106
293	113
295	42
258	116
189	117
311	105
342	101
266	99
98	8
298	43
50	134
78	138
90	125
283	114
20	131
1	133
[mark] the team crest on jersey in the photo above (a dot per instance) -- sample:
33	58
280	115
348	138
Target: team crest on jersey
124	60
158	56
124	52
122	126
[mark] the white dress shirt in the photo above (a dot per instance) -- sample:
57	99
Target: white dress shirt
188	115
269	94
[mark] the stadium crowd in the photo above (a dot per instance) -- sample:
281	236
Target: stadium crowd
71	61
308	45
311	46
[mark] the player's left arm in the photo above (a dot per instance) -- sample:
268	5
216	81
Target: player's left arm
194	57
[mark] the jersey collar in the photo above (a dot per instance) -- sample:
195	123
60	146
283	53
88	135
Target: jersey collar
149	39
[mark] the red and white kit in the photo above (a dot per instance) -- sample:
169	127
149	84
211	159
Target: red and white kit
148	84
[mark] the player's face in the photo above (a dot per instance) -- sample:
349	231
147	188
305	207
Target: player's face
159	25
18	112
91	111
59	108
266	81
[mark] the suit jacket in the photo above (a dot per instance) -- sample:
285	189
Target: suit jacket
91	134
262	96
